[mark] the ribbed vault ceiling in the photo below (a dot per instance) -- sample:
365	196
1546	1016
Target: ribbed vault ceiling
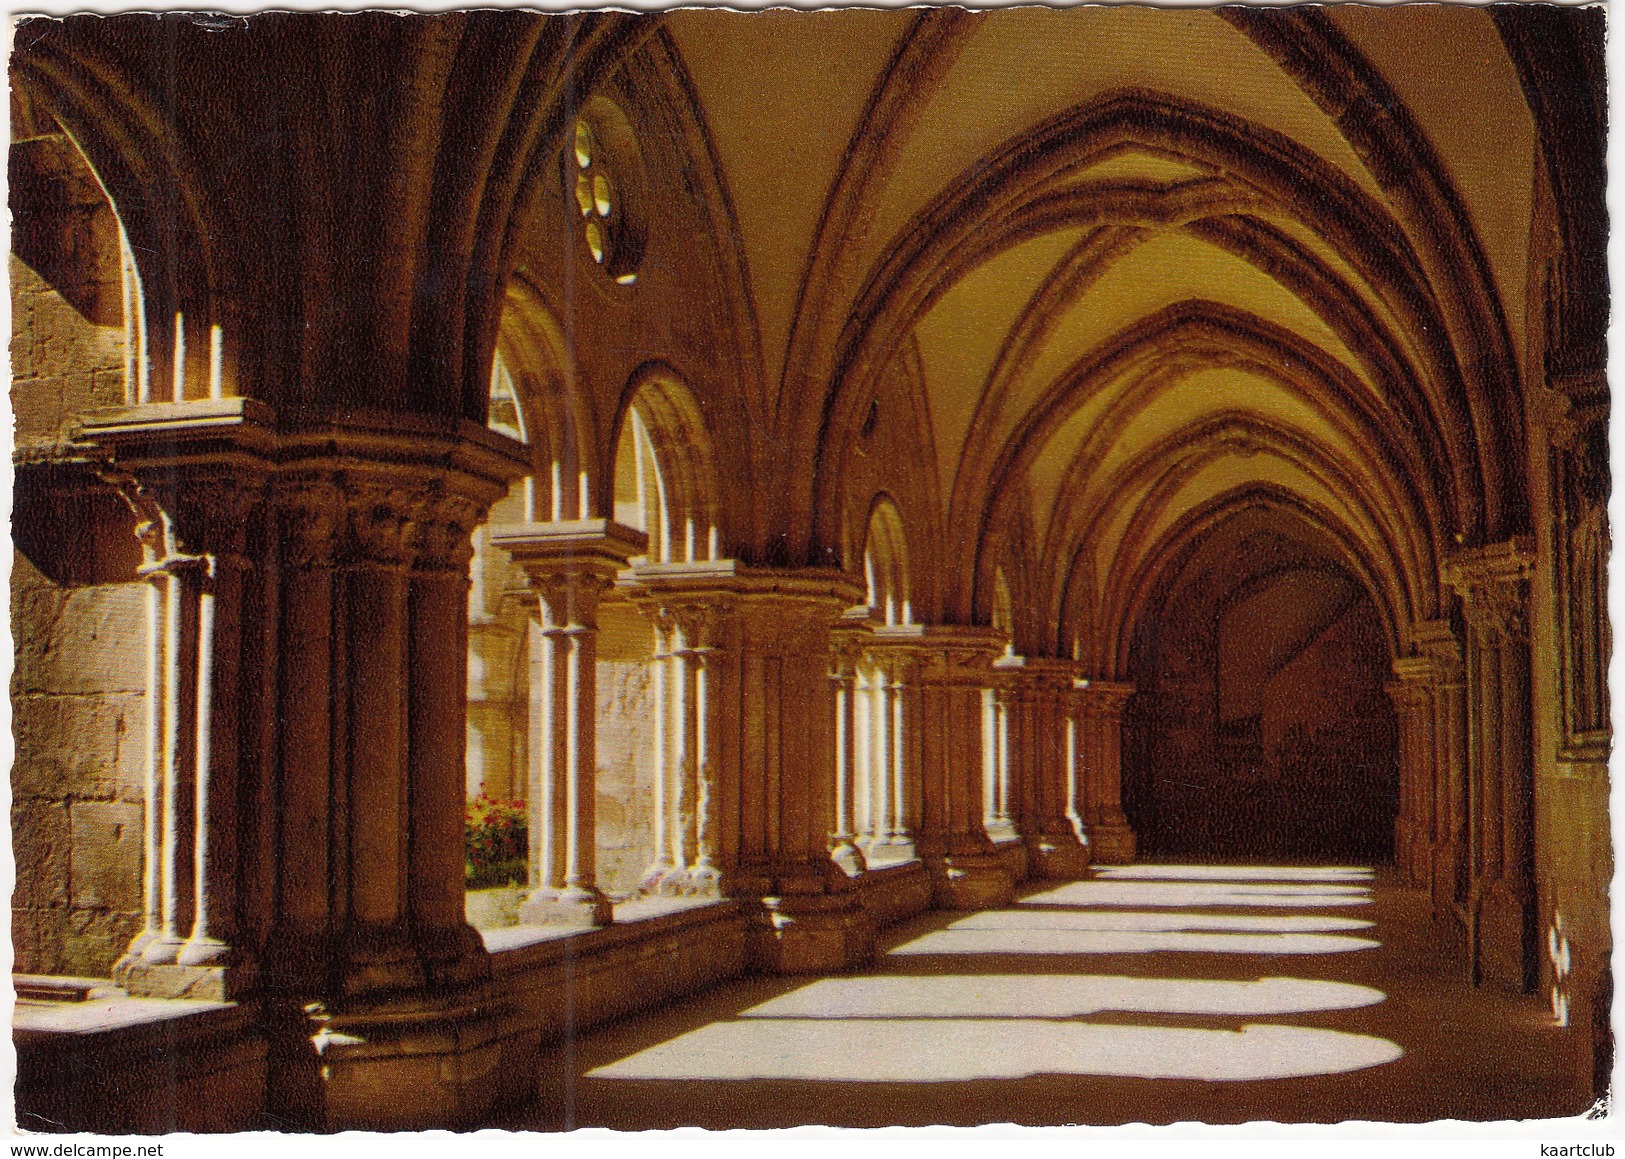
1144	266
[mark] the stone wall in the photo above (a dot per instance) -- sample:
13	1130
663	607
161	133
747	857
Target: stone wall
78	620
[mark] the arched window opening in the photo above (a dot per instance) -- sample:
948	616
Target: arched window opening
885	566
664	475
641	498
508	677
503	414
657	708
881	717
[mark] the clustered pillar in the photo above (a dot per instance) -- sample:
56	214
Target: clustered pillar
1033	747
307	692
886	727
1493	583
1097	729
195	567
687	795
568	565
954	670
759	759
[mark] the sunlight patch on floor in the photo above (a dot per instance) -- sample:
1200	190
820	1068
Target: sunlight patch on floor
1200	895
963	1027
1161	921
1141	871
1058	996
1007	941
963	1049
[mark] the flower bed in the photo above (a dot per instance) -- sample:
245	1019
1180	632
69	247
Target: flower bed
496	843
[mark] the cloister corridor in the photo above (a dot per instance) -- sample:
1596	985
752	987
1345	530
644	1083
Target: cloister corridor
1154	993
866	567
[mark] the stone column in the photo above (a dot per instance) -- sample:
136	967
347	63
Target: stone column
1414	827
1435	641
307	811
845	653
1003	709
875	761
687	796
1097	715
569	565
1493	583
891	657
771	738
193	520
1042	688
966	870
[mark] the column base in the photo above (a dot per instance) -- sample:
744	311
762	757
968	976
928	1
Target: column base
1055	857
971	881
1012	852
570	906
999	832
809	934
375	962
411	1066
1506	949
654	878
213	983
453	956
889	851
1112	842
699	881
848	856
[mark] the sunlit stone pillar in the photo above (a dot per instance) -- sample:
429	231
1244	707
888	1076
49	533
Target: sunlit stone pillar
1493	583
894	770
876	762
954	670
193	520
996	711
1097	714
772	740
569	565
1005	717
665	863
845	652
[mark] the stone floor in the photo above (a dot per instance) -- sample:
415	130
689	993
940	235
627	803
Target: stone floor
1145	994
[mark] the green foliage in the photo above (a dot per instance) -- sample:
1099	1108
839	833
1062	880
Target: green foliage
496	843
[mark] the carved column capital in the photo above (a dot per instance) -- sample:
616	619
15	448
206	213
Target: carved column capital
1492	582
1570	407
1102	699
570	564
443	530
379	526
311	511
693	624
958	656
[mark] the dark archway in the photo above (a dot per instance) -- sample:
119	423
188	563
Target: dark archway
1261	727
